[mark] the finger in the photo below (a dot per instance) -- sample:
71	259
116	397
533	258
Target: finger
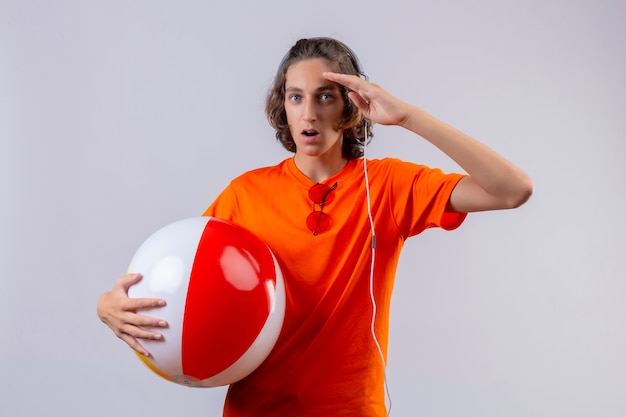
134	344
137	320
136	304
121	289
140	332
360	102
125	282
351	81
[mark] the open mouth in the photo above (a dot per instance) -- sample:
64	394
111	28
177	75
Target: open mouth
309	133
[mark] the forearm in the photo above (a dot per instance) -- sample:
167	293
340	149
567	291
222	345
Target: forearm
490	171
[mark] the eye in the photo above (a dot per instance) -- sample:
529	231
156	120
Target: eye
294	97
326	97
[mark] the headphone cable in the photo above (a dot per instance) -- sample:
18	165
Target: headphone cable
371	277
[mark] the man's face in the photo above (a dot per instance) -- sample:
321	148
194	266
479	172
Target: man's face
314	107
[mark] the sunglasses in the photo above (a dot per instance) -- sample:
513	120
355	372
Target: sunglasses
317	221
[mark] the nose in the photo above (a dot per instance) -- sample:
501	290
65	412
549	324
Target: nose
309	111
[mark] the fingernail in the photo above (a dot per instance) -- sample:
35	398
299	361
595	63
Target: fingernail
161	303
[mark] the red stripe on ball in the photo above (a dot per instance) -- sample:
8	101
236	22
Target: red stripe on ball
227	301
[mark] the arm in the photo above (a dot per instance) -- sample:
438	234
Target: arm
492	182
119	312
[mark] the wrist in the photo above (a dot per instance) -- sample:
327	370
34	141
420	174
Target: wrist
417	121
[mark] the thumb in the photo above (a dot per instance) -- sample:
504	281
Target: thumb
359	101
125	282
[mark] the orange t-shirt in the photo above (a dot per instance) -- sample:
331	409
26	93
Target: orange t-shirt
325	362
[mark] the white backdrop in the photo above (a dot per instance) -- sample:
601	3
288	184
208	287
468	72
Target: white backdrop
118	117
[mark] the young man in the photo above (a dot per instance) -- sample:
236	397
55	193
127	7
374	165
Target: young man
313	211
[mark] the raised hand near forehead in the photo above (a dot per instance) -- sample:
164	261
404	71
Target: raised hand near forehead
376	104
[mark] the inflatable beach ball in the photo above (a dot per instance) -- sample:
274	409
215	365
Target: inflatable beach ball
225	300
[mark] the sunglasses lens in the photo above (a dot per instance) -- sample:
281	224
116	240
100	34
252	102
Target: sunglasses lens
317	221
321	193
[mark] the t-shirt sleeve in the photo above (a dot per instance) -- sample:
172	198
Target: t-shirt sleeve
420	196
225	206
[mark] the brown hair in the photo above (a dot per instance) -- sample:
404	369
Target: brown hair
356	130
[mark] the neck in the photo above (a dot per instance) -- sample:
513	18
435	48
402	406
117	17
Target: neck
316	168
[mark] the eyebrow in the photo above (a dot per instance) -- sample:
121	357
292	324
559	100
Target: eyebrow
321	89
